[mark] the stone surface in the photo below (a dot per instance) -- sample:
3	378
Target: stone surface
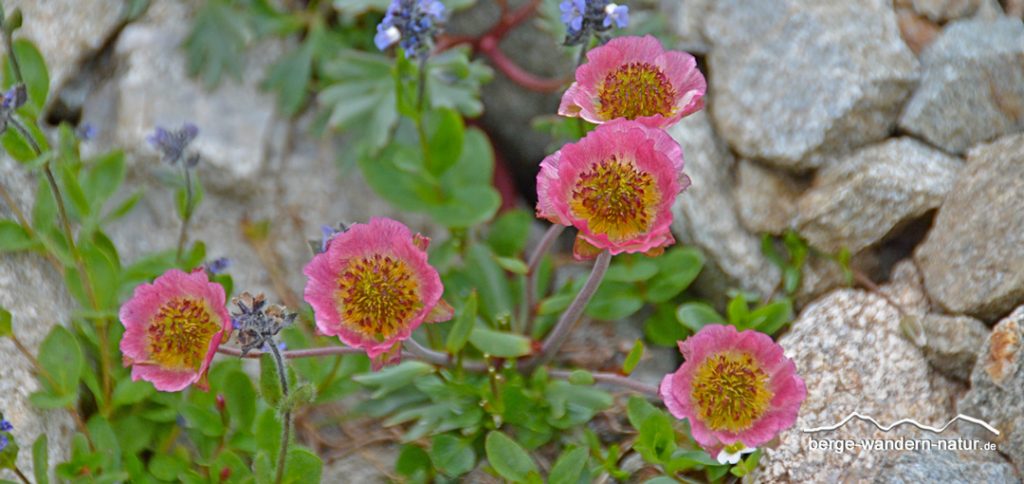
997	389
946	466
850	351
689	21
67	31
855	201
33	291
238	129
944	10
973	258
765	199
705	216
797	79
972	87
951	343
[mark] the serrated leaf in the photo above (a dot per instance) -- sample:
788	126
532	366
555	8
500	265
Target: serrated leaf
214	45
360	96
507	457
290	76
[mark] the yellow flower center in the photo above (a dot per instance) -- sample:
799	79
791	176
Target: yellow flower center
378	295
180	333
731	392
616	198
635	89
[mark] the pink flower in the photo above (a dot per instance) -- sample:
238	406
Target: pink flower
616	186
737	389
172	329
635	78
373	286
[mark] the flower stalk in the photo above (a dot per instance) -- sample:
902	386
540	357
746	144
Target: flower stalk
286	420
565	323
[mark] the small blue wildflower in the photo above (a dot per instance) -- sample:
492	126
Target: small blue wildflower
3	442
15	97
172	144
412	24
218	265
86	132
583	18
5	426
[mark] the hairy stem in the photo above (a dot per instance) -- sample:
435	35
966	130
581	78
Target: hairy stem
565	323
187	216
531	272
21	475
286	421
426	354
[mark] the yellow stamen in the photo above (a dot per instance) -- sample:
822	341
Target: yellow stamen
730	391
616	198
378	295
634	90
180	334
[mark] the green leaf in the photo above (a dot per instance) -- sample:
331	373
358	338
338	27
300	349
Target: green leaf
771	317
394	377
204	419
6	328
446	134
614	301
37	79
657	440
240	399
581	377
638	409
462	329
452	455
507	457
677	270
128	392
663	327
46	400
633	269
633	358
511	264
509	232
499	343
413	462
302	394
569	466
737	311
61	358
270	383
301	466
103	178
216	42
746	466
360	96
41	460
13	237
696	315
290	76
454	81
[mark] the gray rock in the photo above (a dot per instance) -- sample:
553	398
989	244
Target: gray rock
33	291
997	389
798	79
236	121
849	349
689	21
946	466
972	88
857	200
765	199
67	31
952	342
705	216
945	10
973	258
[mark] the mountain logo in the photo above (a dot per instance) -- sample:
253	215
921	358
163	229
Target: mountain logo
906	421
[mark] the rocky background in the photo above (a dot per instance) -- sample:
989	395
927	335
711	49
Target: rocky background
893	129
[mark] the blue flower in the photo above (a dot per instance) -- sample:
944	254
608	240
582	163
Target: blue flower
86	132
15	97
616	13
3	442
412	24
218	265
572	13
172	144
5	426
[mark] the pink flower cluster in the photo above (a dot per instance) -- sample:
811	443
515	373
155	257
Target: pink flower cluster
617	184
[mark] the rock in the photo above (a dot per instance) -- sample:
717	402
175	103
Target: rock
33	291
236	120
689	17
936	465
857	200
951	343
67	31
849	349
705	216
973	258
972	88
945	10
917	31
798	79
765	199
997	389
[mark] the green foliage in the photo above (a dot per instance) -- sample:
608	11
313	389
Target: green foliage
509	459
